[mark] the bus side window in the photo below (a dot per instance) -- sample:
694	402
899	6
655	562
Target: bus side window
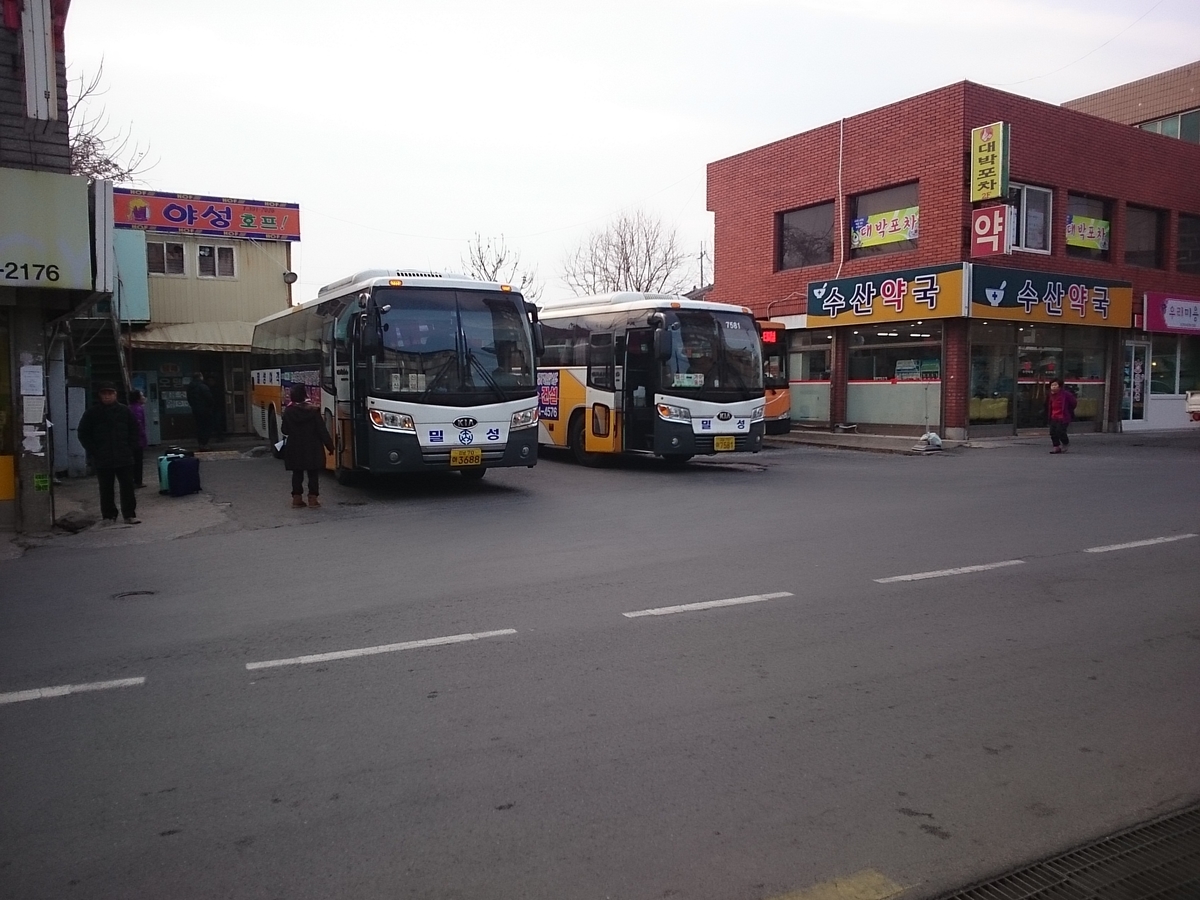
600	362
327	381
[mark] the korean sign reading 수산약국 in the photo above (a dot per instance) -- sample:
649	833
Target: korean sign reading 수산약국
989	161
1049	297
930	293
886	228
193	214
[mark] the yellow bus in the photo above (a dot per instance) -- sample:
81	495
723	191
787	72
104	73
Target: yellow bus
414	371
649	373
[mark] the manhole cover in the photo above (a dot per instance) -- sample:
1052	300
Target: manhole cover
128	595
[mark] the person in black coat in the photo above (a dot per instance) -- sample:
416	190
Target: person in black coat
307	441
200	399
108	432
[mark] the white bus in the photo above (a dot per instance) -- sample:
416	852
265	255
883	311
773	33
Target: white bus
415	372
649	373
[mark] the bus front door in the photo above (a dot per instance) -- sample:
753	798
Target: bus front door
640	366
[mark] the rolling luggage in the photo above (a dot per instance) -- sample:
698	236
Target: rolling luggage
178	474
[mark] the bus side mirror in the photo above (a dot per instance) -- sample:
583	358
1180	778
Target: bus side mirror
539	340
372	337
662	344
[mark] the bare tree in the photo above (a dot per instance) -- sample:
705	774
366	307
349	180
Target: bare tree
635	252
489	259
96	150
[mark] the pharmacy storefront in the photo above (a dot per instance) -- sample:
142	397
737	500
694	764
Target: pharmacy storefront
1162	365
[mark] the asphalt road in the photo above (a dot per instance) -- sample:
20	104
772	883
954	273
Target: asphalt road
931	730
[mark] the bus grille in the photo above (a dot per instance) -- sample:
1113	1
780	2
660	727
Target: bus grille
442	457
704	443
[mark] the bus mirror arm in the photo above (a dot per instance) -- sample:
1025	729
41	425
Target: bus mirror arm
539	340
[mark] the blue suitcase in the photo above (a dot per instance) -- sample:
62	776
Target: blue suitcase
178	475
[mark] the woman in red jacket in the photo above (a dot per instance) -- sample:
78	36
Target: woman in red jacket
1060	411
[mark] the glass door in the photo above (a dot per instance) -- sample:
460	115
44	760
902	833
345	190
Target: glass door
1135	381
1036	368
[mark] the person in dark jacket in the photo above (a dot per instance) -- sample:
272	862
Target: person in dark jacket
137	406
307	441
109	433
200	399
1060	411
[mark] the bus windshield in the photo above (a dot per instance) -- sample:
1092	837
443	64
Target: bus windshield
713	353
453	347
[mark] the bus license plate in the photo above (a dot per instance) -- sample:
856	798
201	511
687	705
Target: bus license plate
470	457
724	442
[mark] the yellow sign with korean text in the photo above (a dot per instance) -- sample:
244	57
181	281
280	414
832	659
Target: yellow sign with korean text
886	228
1015	295
989	161
934	292
1083	231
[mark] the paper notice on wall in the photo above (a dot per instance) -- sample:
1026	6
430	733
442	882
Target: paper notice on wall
32	379
35	410
33	441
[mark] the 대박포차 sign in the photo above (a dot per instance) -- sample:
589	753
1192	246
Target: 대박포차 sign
193	214
930	293
989	161
1089	233
1018	296
886	228
1172	313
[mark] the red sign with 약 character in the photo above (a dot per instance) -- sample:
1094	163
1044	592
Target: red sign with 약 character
990	233
194	214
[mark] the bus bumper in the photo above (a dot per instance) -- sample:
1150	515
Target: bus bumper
677	438
396	452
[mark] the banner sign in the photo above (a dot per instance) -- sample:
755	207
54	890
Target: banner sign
194	214
1018	296
886	228
991	231
45	231
989	162
1172	313
1089	233
547	384
934	292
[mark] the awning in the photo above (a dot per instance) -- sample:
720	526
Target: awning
230	337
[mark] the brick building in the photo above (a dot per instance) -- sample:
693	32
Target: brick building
859	237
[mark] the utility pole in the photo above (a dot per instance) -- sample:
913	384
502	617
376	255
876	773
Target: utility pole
703	254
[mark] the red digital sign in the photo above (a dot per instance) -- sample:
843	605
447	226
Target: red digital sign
770	337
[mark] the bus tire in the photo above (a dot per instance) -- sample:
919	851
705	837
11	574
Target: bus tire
582	456
343	476
676	459
475	473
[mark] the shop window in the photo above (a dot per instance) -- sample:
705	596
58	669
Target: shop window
901	351
1189	363
214	262
806	236
810	354
1188	258
1032	205
1143	237
1089	226
1164	364
164	258
886	221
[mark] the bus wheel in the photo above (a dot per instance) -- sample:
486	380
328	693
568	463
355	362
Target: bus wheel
343	475
473	474
676	459
583	457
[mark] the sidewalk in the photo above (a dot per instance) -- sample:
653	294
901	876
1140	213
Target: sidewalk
905	445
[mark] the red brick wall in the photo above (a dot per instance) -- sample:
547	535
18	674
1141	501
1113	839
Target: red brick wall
926	138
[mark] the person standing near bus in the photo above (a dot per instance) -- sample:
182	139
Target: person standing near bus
137	406
108	432
1060	411
200	399
307	439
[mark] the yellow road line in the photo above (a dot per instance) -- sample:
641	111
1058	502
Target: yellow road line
865	885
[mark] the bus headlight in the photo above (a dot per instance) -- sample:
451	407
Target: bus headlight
526	418
391	421
757	414
674	413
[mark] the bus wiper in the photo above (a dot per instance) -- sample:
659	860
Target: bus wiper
437	378
491	382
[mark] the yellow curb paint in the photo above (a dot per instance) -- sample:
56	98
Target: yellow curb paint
865	885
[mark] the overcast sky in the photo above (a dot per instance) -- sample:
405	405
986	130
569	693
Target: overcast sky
403	128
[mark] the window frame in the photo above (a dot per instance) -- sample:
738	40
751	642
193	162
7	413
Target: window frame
782	229
853	202
1193	266
216	258
1108	207
182	273
1022	219
1160	234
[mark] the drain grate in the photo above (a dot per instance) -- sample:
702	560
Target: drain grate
1159	860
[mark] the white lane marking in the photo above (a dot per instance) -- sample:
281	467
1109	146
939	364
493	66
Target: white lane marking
942	573
63	689
371	651
1145	543
710	604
